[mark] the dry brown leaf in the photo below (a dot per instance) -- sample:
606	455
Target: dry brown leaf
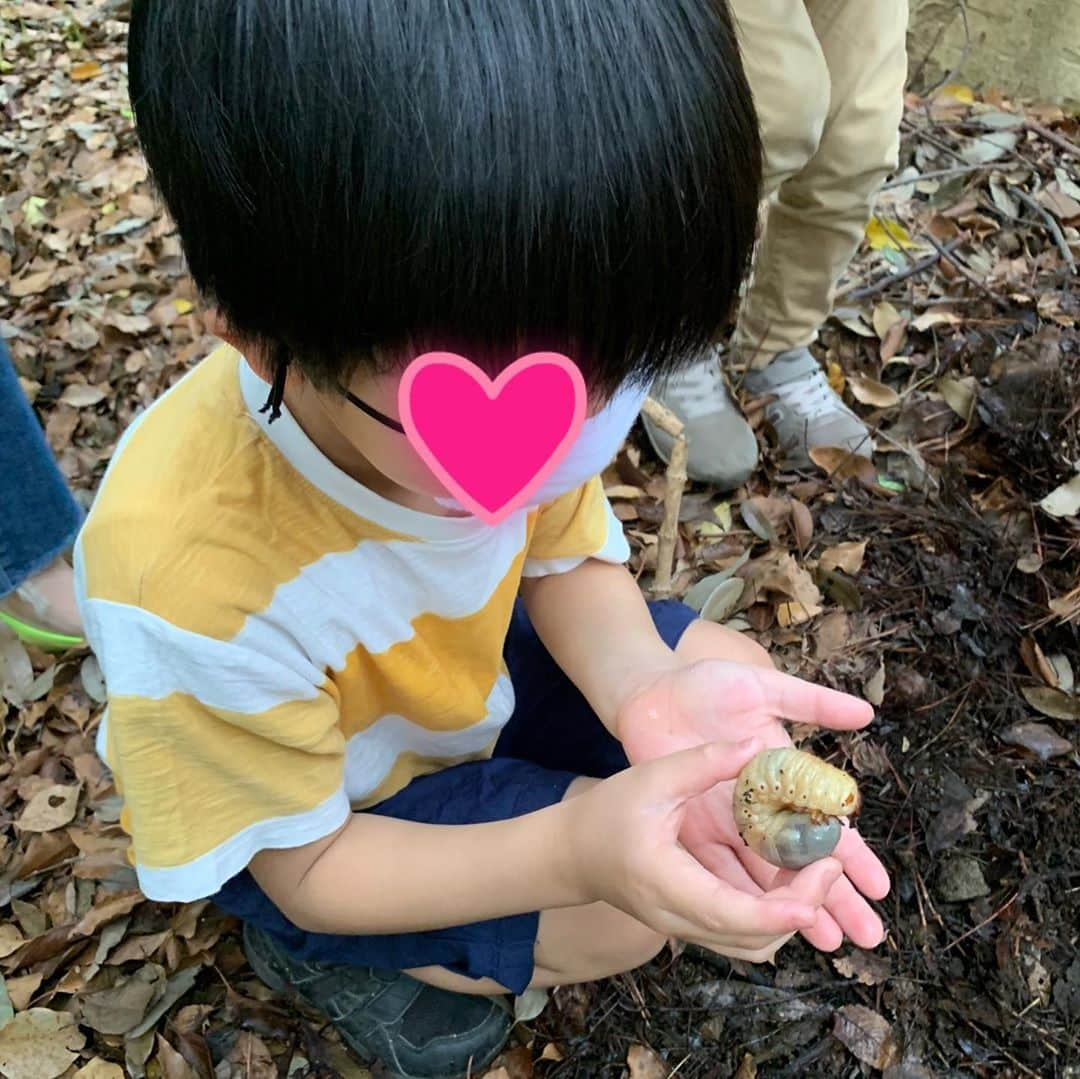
841	464
100	1069
88	69
123	1007
552	1052
803	522
39	1044
1036	662
108	910
831	635
16	670
50	808
747	1067
866	1034
10	939
1040	739
847	556
514	1063
80	395
885	317
865	967
1052	702
959	395
874	688
646	1063
31	284
21	990
869	391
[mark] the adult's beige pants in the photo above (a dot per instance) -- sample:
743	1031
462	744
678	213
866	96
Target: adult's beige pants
828	79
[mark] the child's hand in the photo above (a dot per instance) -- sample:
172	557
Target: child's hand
713	700
626	852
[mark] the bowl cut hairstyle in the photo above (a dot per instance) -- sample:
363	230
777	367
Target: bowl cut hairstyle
358	181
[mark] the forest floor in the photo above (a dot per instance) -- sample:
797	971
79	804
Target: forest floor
942	582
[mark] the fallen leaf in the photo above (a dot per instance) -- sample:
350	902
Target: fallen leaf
865	967
803	522
646	1063
868	391
39	1044
179	984
31	284
124	1006
747	1067
7	1009
1052	702
108	910
874	688
834	373
841	464
50	808
552	1052
88	69
884	318
847	556
989	146
80	395
16	670
21	990
10	938
754	515
1063	501
1040	739
100	1069
1066	680
723	600
955	91
513	1063
1036	662
959	395
887	234
831	635
867	1035
935	316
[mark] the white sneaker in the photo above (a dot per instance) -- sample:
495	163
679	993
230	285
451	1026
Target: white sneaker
807	412
721	447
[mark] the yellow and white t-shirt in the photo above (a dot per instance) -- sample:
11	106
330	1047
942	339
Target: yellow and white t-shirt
281	645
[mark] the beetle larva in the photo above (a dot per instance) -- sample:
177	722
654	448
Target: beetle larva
788	804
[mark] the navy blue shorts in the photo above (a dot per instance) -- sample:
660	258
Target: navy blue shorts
552	738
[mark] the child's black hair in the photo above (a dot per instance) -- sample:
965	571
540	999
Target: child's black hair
355	181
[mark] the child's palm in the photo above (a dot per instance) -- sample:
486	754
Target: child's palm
718	701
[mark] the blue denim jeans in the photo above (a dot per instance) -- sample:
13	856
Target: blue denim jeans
38	516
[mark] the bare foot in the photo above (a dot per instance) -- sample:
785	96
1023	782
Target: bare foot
47	600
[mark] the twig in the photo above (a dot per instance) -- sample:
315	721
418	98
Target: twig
668	422
936	174
986	921
1052	227
971	277
1059	141
883	282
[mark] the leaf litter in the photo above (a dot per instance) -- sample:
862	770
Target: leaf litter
941	579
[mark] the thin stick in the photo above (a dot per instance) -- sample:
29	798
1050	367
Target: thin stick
883	282
968	274
935	174
668	422
1052	226
1059	141
986	921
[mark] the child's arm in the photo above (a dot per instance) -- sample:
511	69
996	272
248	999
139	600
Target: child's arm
616	841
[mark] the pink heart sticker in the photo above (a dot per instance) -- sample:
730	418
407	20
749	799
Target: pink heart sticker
492	443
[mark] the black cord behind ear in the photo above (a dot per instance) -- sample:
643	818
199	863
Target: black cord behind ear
277	387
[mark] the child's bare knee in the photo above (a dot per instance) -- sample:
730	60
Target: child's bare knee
706	640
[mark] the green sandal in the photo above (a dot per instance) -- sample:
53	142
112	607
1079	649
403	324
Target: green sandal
46	639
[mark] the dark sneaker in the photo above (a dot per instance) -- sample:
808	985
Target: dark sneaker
417	1031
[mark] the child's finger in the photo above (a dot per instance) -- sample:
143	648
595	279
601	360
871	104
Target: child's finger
691	772
804	702
862	865
694	896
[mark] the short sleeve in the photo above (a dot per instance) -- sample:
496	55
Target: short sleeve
574	528
220	748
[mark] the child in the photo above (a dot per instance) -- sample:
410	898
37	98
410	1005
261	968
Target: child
370	725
